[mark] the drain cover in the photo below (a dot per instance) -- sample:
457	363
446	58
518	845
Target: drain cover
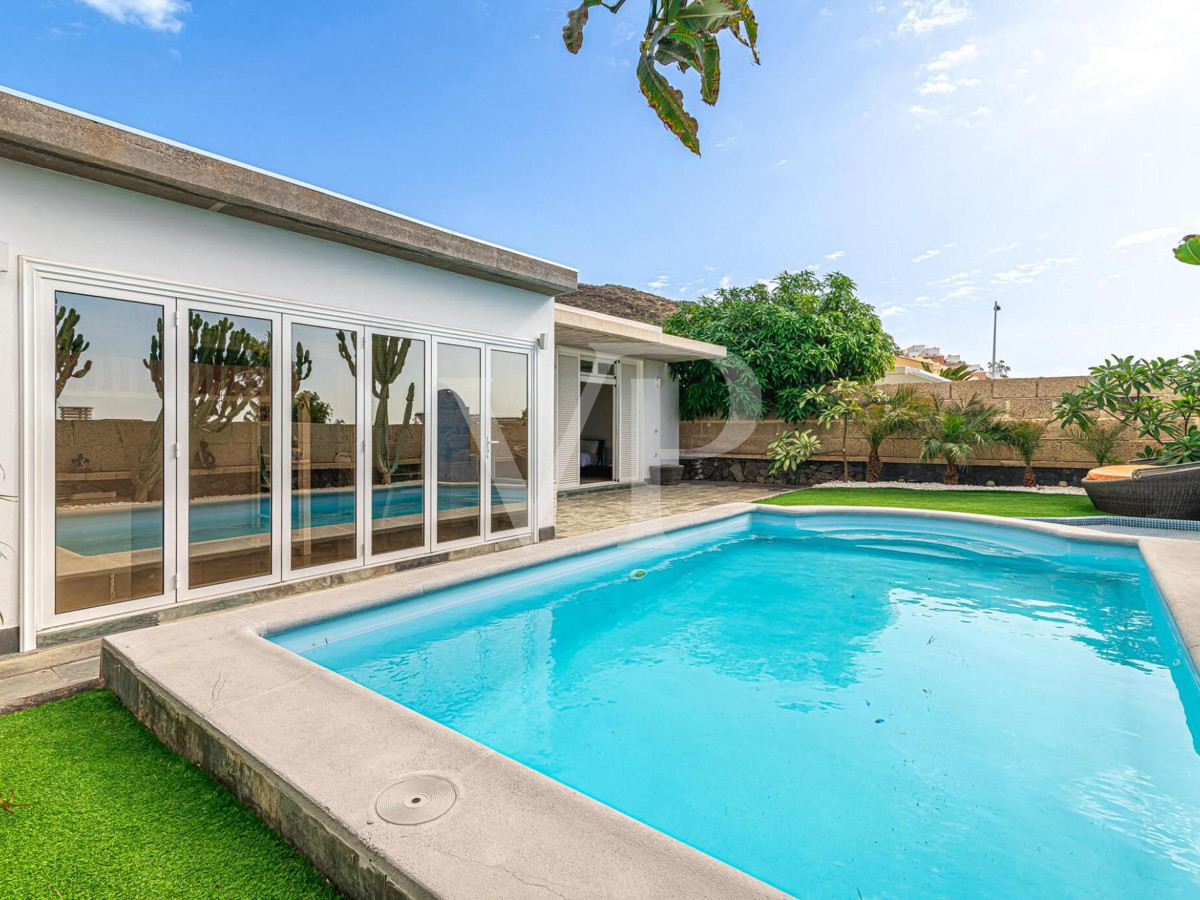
416	800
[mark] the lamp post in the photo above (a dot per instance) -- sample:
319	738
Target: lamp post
995	325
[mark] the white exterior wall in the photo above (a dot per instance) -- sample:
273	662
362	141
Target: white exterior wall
49	216
660	417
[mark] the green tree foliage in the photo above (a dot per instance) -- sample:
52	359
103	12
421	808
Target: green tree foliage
956	431
797	333
1159	399
1189	250
679	33
842	402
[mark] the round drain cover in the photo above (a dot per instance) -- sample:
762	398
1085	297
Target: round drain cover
415	800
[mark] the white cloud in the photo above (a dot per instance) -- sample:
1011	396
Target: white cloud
957	278
1027	272
1003	248
659	283
951	58
1149	236
922	112
893	310
940	85
922	16
928	254
836	254
782	162
159	15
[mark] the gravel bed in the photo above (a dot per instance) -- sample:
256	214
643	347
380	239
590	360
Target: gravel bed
935	486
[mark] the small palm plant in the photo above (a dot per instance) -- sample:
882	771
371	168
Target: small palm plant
956	431
1099	440
791	450
900	414
1024	436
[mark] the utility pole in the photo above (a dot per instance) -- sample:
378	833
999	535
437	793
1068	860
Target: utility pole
995	325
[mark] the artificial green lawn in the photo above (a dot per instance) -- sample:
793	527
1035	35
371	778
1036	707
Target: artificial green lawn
991	503
117	814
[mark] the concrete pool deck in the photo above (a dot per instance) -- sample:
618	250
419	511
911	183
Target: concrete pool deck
311	751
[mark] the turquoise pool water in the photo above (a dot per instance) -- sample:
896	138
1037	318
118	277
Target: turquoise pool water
119	530
842	706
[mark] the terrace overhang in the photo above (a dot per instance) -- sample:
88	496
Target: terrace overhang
53	137
587	330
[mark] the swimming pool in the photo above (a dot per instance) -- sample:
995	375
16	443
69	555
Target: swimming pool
103	530
834	704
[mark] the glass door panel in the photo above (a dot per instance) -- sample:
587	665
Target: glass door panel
508	444
324	445
109	451
397	444
228	448
459	411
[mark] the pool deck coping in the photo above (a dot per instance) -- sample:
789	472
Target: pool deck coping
310	750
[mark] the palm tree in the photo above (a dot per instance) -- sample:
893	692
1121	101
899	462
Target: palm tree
956	431
960	372
1099	440
899	414
1024	436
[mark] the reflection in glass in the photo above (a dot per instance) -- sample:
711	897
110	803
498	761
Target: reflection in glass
229	448
397	444
109	451
459	400
324	445
509	431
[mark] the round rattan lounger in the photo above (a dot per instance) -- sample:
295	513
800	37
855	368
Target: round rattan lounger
1152	492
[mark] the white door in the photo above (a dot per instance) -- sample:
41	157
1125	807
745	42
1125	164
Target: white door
567	423
628	423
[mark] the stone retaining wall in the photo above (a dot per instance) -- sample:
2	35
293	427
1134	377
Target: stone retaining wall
1025	398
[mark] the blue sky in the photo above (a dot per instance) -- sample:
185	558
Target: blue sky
943	153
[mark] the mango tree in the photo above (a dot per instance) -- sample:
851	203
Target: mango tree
679	33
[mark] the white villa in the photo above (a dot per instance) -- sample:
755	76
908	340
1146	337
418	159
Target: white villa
226	384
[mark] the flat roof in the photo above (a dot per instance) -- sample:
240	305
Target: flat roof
582	328
44	134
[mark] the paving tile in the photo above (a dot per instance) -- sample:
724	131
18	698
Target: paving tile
587	512
17	688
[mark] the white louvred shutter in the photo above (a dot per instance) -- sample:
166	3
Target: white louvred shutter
567	421
627	422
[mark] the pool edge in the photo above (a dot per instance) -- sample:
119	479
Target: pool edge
273	727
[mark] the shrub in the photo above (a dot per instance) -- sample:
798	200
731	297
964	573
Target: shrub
791	450
1158	399
785	338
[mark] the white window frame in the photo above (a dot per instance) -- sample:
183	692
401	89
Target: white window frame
37	333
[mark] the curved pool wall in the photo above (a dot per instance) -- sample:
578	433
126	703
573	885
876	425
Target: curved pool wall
895	705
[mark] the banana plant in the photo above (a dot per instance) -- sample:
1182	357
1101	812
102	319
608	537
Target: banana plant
679	33
1189	251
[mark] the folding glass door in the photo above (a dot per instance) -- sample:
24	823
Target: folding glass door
204	447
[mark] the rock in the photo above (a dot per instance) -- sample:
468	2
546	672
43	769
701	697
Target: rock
735	472
1062	484
990	484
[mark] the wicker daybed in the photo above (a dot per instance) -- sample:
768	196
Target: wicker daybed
1148	492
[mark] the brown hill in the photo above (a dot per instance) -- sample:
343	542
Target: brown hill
625	302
